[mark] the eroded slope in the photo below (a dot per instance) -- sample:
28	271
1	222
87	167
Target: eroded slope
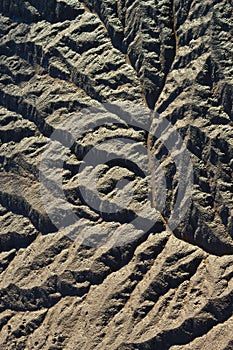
162	289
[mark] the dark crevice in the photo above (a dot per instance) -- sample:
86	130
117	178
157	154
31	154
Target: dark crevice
18	205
